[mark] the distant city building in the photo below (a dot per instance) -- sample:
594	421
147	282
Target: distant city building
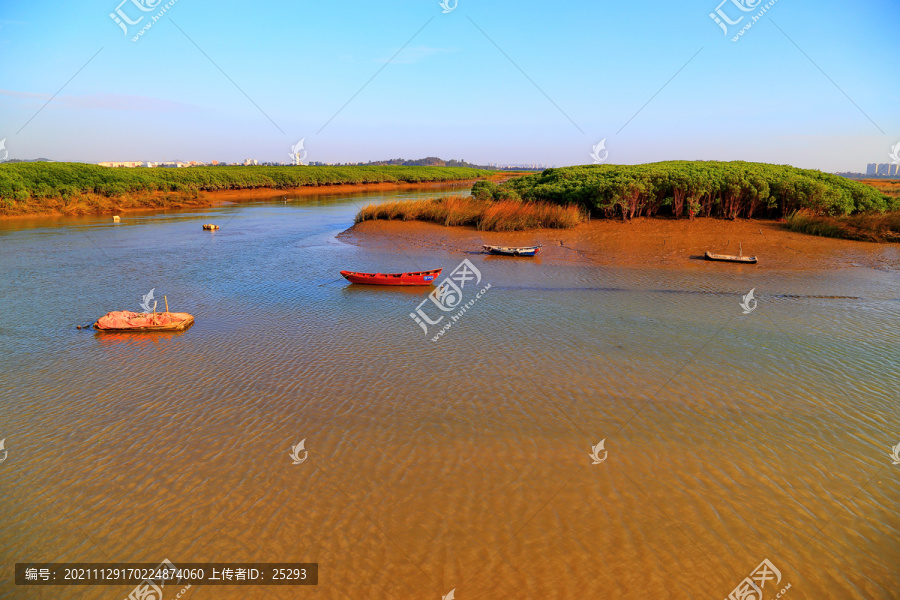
129	164
250	161
882	170
528	167
171	164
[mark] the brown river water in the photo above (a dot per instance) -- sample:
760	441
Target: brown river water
460	464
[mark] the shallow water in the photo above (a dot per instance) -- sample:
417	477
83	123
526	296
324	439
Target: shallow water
457	464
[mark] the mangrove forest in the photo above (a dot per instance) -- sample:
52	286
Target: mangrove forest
23	181
693	189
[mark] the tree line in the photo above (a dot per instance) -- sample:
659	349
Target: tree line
21	181
694	189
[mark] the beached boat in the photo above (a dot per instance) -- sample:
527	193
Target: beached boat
512	250
125	320
731	258
210	227
415	278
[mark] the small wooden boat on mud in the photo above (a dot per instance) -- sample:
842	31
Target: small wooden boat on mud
731	258
414	278
512	250
125	320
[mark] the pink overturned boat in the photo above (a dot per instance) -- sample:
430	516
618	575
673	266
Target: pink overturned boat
125	320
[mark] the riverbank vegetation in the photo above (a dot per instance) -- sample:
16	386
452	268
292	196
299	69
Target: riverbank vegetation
484	215
866	227
888	187
694	189
73	188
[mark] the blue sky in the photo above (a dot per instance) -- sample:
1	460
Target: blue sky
507	81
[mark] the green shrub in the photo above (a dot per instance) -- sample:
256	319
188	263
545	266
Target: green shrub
484	190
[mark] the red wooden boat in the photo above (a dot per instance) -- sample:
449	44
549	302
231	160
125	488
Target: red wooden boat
417	278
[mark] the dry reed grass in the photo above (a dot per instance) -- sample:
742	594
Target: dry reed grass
867	227
484	215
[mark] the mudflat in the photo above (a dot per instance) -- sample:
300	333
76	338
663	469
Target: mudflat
647	241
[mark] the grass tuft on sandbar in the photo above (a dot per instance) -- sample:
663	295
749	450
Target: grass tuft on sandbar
483	215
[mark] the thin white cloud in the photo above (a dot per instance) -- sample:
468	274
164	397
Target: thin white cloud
104	102
416	54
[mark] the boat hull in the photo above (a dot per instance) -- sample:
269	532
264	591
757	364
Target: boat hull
412	278
751	260
512	251
138	322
